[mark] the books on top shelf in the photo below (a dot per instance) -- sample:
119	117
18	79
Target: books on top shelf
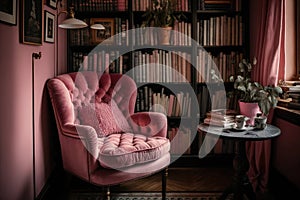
293	102
295	88
220	5
291	95
291	88
292	83
220	117
99	5
294	94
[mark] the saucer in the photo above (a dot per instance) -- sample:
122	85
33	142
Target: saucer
246	128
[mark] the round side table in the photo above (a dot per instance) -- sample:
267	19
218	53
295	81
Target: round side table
240	184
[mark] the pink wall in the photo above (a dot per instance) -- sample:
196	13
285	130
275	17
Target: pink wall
16	132
290	45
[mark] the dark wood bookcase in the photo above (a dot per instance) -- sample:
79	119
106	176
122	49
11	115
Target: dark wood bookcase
220	27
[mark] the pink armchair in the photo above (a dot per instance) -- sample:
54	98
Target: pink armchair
102	140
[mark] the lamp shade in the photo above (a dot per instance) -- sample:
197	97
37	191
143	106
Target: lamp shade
97	27
72	23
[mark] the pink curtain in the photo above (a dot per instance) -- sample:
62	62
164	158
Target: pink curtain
267	41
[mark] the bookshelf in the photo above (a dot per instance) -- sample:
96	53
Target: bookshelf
214	28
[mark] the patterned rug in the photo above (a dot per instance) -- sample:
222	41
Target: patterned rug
148	196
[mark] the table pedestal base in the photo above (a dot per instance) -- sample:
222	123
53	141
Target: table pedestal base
240	186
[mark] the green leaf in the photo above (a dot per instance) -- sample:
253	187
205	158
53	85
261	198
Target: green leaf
239	78
242	88
278	90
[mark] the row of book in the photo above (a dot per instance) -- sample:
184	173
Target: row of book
180	104
172	105
234	5
181	143
180	140
215	31
143	5
225	63
220	31
162	66
209	100
102	61
292	94
86	36
99	5
181	35
80	36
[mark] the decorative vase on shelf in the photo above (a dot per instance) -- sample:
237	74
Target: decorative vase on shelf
250	110
164	35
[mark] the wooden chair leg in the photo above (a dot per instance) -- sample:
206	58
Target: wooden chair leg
164	183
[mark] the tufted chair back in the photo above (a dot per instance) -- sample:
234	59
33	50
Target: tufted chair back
86	88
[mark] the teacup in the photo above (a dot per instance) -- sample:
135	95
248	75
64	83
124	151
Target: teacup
240	121
260	122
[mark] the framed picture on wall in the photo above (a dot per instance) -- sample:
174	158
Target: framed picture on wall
52	3
49	27
8	11
31	22
101	35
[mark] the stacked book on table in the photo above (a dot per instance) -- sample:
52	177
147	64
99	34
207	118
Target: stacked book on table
220	117
292	91
223	118
294	94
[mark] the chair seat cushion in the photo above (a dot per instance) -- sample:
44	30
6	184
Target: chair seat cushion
125	149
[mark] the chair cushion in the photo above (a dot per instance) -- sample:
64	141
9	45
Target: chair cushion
126	149
102	119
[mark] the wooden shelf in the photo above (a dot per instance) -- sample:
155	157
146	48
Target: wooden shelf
290	115
224	54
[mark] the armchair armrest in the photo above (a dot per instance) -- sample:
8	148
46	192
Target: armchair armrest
86	134
149	123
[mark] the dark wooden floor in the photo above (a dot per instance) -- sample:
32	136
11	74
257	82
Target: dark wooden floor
179	180
206	179
183	179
